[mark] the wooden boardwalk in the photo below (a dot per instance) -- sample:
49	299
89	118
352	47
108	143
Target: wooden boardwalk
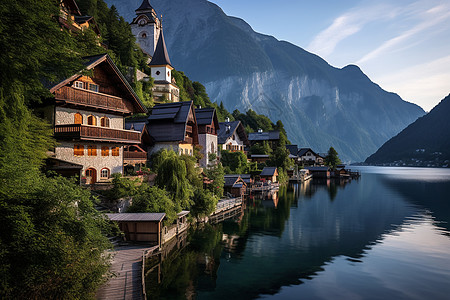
127	280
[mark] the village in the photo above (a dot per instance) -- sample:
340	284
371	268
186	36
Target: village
107	136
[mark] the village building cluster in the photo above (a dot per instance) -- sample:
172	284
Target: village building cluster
95	137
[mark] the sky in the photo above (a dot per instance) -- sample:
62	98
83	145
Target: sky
402	45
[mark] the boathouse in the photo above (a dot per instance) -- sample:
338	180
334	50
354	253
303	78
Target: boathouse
269	173
234	185
319	172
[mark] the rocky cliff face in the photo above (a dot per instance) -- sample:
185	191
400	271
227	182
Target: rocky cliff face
321	106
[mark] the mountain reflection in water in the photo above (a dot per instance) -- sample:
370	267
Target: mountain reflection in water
383	236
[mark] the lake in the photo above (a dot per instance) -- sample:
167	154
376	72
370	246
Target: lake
383	236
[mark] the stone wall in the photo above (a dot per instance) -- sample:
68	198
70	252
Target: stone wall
64	115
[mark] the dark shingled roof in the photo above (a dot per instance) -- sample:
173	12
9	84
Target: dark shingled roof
167	122
293	149
264	136
161	56
323	169
223	134
137	217
144	6
135	125
303	151
230	180
204	115
268	171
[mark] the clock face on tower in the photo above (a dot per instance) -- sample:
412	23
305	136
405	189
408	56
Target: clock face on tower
142	22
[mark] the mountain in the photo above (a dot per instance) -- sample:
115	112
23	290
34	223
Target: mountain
321	106
426	142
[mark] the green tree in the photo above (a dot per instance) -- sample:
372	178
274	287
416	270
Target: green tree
236	162
261	148
151	199
216	174
332	159
205	203
173	177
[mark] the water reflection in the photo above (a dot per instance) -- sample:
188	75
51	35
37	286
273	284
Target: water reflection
316	230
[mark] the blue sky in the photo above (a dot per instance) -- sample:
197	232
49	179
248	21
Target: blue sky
403	45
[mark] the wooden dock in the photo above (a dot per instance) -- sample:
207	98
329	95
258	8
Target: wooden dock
127	268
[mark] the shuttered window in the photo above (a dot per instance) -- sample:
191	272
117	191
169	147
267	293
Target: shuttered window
115	151
92	150
78	150
104	122
92	120
78	119
105	151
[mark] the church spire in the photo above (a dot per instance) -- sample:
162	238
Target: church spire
161	56
144	6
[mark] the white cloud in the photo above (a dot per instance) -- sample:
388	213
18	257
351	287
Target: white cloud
430	18
347	25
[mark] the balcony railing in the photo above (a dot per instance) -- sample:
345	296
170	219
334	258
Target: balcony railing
134	155
94	133
188	140
92	99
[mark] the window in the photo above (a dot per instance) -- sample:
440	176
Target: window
144	35
186	151
78	119
93	87
79	84
105	151
78	150
115	151
92	150
92	120
104	173
104	122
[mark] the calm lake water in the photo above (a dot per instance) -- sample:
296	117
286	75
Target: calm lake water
384	236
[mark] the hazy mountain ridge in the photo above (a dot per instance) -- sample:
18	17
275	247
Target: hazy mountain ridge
320	105
426	142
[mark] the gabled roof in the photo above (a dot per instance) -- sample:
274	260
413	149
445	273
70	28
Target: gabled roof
303	151
264	136
206	116
234	127
233	180
135	125
167	122
293	149
136	217
90	62
268	171
72	5
144	6
161	56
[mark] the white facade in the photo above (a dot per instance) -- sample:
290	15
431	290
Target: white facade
209	145
146	33
162	73
64	115
114	164
179	148
233	143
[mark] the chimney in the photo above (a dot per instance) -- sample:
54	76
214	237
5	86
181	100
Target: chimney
227	119
260	130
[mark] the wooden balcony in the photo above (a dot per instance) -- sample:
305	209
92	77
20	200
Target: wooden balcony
130	155
81	97
95	133
188	140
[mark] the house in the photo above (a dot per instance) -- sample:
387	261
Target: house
271	137
269	173
232	136
259	158
70	18
135	156
208	128
319	172
234	185
149	227
293	153
308	157
173	126
87	113
147	29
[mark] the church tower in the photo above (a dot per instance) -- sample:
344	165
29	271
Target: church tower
146	27
161	70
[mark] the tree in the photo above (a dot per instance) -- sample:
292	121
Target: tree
205	203
332	159
151	199
216	174
173	177
261	148
235	161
